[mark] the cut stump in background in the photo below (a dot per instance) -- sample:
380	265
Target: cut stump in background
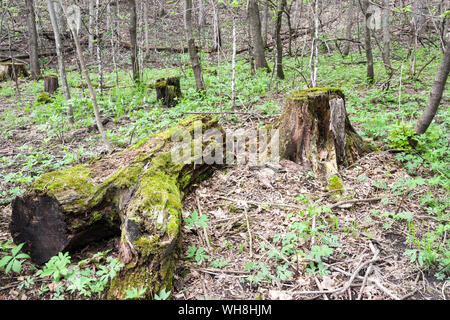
314	131
136	193
8	70
168	90
51	84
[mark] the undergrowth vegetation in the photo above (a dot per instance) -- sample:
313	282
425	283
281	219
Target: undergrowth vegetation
384	116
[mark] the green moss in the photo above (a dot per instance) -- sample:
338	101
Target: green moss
126	176
148	245
139	143
312	92
335	184
44	97
76	178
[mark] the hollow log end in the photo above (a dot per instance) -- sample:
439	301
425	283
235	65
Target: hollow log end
38	221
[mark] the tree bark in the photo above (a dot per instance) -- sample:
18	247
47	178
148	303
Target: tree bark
91	27
217	34
314	57
436	93
348	28
280	73
61	64
193	55
51	84
367	42
35	69
133	41
315	132
201	14
386	37
255	32
265	23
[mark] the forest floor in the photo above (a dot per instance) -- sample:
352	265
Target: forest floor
273	232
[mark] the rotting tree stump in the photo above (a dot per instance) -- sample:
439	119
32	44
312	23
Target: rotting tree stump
314	131
168	91
9	70
136	193
51	83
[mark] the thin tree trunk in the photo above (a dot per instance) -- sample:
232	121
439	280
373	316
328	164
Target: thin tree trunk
265	24
314	57
255	31
348	28
61	65
35	69
436	93
386	37
367	41
147	43
419	10
195	62
89	84
201	14
133	40
99	49
280	73
233	66
217	36
91	27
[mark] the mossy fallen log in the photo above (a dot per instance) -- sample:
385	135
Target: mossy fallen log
314	131
136	193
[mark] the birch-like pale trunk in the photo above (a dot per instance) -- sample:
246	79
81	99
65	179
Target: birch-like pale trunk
233	66
314	57
91	27
89	84
99	50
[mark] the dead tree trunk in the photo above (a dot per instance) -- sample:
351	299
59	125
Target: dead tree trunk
137	192
51	84
9	70
314	131
168	90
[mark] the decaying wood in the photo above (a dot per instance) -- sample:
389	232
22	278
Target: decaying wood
51	83
136	193
168	90
9	70
314	131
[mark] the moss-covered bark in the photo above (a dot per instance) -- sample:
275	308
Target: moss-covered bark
315	131
137	192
